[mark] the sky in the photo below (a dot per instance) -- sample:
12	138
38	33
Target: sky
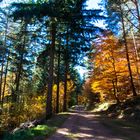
93	4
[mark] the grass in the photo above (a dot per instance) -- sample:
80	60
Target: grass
42	130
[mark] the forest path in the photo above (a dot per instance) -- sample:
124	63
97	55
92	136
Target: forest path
84	125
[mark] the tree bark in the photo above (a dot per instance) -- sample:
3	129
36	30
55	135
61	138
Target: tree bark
114	91
51	68
127	55
5	77
115	82
58	78
136	57
2	67
66	74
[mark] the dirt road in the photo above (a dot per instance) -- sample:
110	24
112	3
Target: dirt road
83	125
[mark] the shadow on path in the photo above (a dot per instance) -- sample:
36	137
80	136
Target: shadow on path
83	125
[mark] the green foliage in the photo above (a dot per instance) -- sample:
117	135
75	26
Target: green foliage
28	134
40	130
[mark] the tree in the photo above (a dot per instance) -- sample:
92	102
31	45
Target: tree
117	7
127	55
110	75
76	24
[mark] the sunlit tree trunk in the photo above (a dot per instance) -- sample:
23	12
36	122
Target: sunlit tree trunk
114	91
58	77
5	77
115	81
127	55
3	59
136	57
1	76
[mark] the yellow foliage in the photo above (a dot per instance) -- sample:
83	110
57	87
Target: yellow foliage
110	69
70	88
82	99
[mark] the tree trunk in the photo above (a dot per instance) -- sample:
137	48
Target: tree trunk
58	78
1	77
114	91
127	55
136	57
66	74
51	68
65	83
3	56
115	82
5	77
115	72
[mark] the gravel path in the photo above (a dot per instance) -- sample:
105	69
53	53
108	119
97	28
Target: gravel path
83	125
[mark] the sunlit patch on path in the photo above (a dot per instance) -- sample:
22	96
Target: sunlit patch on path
83	125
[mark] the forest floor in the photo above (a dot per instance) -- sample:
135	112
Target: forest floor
79	124
86	125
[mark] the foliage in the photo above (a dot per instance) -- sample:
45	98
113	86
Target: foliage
39	131
109	76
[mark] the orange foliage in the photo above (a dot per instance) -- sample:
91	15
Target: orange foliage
110	75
